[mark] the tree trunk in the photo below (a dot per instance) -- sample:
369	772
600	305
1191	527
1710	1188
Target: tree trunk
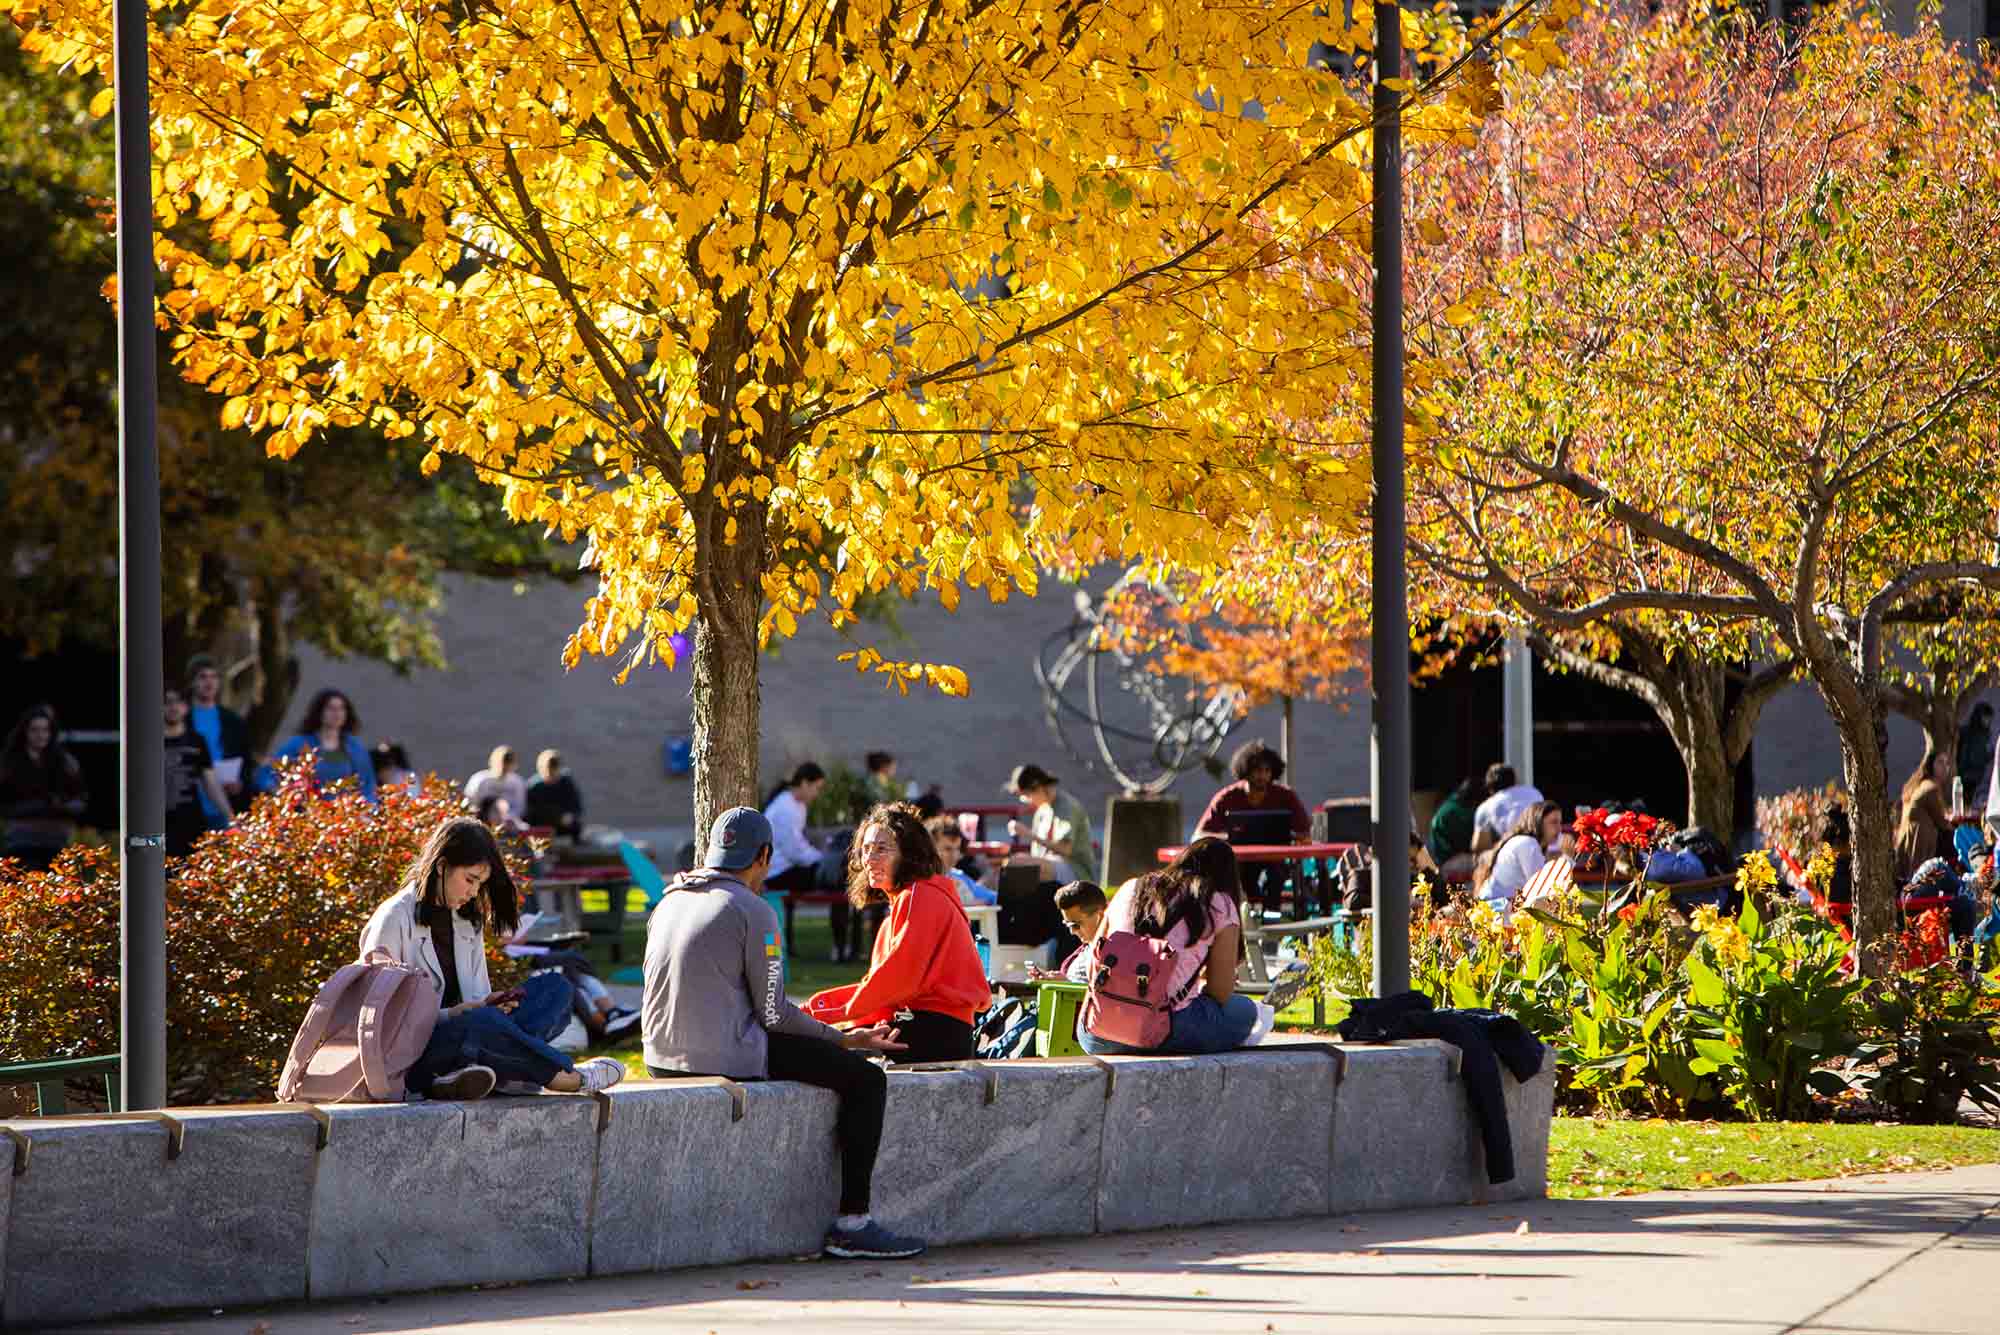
727	699
277	674
1711	776
731	556
1872	820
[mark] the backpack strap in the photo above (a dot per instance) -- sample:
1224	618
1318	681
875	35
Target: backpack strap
368	1032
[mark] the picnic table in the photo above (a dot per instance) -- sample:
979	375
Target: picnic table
980	811
566	884
1319	877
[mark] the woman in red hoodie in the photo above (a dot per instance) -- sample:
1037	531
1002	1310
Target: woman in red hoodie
924	973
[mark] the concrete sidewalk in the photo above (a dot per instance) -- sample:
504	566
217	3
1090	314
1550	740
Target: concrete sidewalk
1871	1256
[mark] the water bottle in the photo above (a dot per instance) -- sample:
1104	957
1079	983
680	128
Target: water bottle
985	949
1958	797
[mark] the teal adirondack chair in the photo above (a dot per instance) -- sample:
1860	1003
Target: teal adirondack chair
647	878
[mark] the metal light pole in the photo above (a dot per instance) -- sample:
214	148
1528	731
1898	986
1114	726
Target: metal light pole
1390	757
142	815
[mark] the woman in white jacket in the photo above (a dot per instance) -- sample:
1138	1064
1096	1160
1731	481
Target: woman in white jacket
437	923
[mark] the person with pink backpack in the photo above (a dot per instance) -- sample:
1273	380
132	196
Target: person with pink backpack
1162	971
483	1039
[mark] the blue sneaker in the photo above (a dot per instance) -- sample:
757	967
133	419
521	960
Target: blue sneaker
871	1242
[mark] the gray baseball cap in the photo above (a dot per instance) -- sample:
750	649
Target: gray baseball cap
735	838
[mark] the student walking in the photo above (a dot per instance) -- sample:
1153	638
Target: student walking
715	1005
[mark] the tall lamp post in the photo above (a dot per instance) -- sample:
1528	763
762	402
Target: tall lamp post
1390	646
142	804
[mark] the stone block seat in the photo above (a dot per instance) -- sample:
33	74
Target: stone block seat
120	1214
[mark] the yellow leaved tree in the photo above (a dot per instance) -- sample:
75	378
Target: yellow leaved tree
776	304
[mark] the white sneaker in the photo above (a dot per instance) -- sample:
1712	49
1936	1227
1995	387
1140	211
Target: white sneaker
1267	1020
600	1073
466	1083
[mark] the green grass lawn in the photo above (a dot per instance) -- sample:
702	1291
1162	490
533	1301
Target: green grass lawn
1602	1156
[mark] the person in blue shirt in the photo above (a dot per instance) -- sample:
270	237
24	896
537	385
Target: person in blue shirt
327	733
228	737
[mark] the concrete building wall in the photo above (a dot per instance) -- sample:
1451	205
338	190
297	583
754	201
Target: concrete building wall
506	684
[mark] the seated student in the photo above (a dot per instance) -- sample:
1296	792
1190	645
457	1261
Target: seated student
1506	798
392	767
553	799
794	859
715	1005
1451	826
436	923
1192	904
1257	768
1082	907
502	775
949	841
497	813
924	974
1536	835
880	783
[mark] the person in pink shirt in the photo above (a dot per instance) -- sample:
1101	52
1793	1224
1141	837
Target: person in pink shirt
1192	903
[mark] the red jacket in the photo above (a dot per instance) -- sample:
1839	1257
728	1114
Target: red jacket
924	960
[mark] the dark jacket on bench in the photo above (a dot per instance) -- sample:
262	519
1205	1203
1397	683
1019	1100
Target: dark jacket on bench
1484	1039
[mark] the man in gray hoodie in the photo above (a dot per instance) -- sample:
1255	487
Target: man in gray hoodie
716	1005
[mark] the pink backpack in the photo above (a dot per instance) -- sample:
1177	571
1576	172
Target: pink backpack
367	1026
1128	1002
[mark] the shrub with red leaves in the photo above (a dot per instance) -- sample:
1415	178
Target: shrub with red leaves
258	917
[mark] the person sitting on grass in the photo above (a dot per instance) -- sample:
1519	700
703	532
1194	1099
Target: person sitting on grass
924	974
949	841
1192	903
1082	906
715	1005
484	1039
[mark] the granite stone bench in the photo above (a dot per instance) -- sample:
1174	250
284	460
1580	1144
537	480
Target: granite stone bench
218	1207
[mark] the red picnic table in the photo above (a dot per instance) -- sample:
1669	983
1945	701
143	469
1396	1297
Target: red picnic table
565	886
1318	881
979	811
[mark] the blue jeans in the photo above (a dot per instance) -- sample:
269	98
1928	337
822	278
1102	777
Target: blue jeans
1203	1025
516	1046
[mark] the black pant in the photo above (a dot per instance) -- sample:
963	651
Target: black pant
863	1091
931	1037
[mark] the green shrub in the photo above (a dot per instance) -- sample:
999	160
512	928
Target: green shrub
258	917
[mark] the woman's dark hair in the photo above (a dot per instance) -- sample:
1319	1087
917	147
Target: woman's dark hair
1471	789
464	842
56	767
875	760
1257	754
316	710
929	806
1531	820
1180	891
807	772
916	856
1085	895
389	755
1833	827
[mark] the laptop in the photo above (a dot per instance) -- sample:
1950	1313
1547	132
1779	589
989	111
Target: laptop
1257	827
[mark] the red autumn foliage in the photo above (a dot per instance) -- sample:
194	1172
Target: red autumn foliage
258	916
